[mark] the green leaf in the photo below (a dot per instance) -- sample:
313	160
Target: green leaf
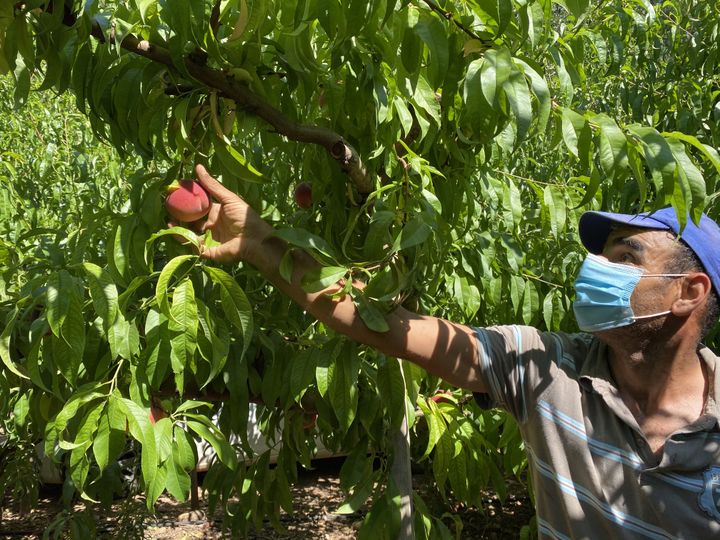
342	386
552	313
79	463
141	429
572	122
566	84
359	495
518	95
109	441
496	69
123	338
236	164
235	304
156	486
143	7
187	234
414	233
88	426
577	8
692	181
391	387
177	480
442	459
216	334
708	152
163	429
658	156
371	315
436	424
613	144
305	240
183	449
184	325
161	290
321	278
325	358
117	253
59	294
530	303
217	440
542	93
554	199
517	286
83	396
286	266
156	353
103	293
433	33
190	405
480	115
302	372
5	344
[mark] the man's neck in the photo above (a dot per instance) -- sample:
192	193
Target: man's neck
655	377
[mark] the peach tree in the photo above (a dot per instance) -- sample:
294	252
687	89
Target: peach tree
439	151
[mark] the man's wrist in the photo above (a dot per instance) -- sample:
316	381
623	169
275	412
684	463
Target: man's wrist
267	251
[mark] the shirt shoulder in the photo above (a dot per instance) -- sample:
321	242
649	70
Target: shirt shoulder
518	362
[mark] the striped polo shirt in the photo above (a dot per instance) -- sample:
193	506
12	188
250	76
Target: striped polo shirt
593	474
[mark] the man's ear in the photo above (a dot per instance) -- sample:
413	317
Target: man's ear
695	289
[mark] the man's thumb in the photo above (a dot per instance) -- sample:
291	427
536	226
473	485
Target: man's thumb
219	192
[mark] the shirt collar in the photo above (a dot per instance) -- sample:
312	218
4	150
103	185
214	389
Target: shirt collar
595	375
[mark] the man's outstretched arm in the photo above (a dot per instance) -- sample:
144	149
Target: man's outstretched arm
443	348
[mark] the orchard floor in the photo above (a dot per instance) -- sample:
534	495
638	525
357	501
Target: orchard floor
315	496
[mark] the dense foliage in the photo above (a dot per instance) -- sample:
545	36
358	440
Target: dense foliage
451	147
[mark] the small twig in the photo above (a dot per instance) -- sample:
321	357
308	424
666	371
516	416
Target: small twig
531	180
670	17
541	280
450	16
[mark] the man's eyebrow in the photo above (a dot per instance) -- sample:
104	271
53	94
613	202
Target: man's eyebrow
630	242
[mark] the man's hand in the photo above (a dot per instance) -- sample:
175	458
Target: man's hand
233	223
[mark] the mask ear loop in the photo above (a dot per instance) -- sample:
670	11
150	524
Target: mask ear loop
660	314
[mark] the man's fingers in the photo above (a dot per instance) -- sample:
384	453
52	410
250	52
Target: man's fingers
216	189
216	253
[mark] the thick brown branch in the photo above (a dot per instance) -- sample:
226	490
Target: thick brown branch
227	86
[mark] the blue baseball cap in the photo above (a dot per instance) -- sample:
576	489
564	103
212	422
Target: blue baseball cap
703	239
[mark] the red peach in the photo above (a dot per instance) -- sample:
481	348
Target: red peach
303	195
156	413
188	201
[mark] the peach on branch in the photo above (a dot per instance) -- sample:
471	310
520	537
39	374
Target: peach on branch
303	195
187	201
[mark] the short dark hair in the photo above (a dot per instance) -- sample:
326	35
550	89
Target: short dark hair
684	261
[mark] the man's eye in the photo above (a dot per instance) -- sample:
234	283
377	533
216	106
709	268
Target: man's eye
626	257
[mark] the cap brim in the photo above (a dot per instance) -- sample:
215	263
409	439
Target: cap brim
595	227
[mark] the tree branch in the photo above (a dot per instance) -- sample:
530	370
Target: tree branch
226	85
451	17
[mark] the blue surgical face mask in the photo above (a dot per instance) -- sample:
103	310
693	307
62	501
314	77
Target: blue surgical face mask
602	294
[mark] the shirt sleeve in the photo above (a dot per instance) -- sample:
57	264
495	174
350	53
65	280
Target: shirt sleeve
518	363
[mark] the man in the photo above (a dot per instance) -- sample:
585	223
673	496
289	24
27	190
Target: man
621	422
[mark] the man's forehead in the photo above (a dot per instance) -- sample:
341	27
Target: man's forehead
639	237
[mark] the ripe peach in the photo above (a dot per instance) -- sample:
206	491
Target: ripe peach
303	195
156	413
441	395
187	201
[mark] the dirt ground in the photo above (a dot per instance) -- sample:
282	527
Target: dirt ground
315	496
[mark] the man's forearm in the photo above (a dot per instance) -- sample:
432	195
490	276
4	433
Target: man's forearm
445	349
